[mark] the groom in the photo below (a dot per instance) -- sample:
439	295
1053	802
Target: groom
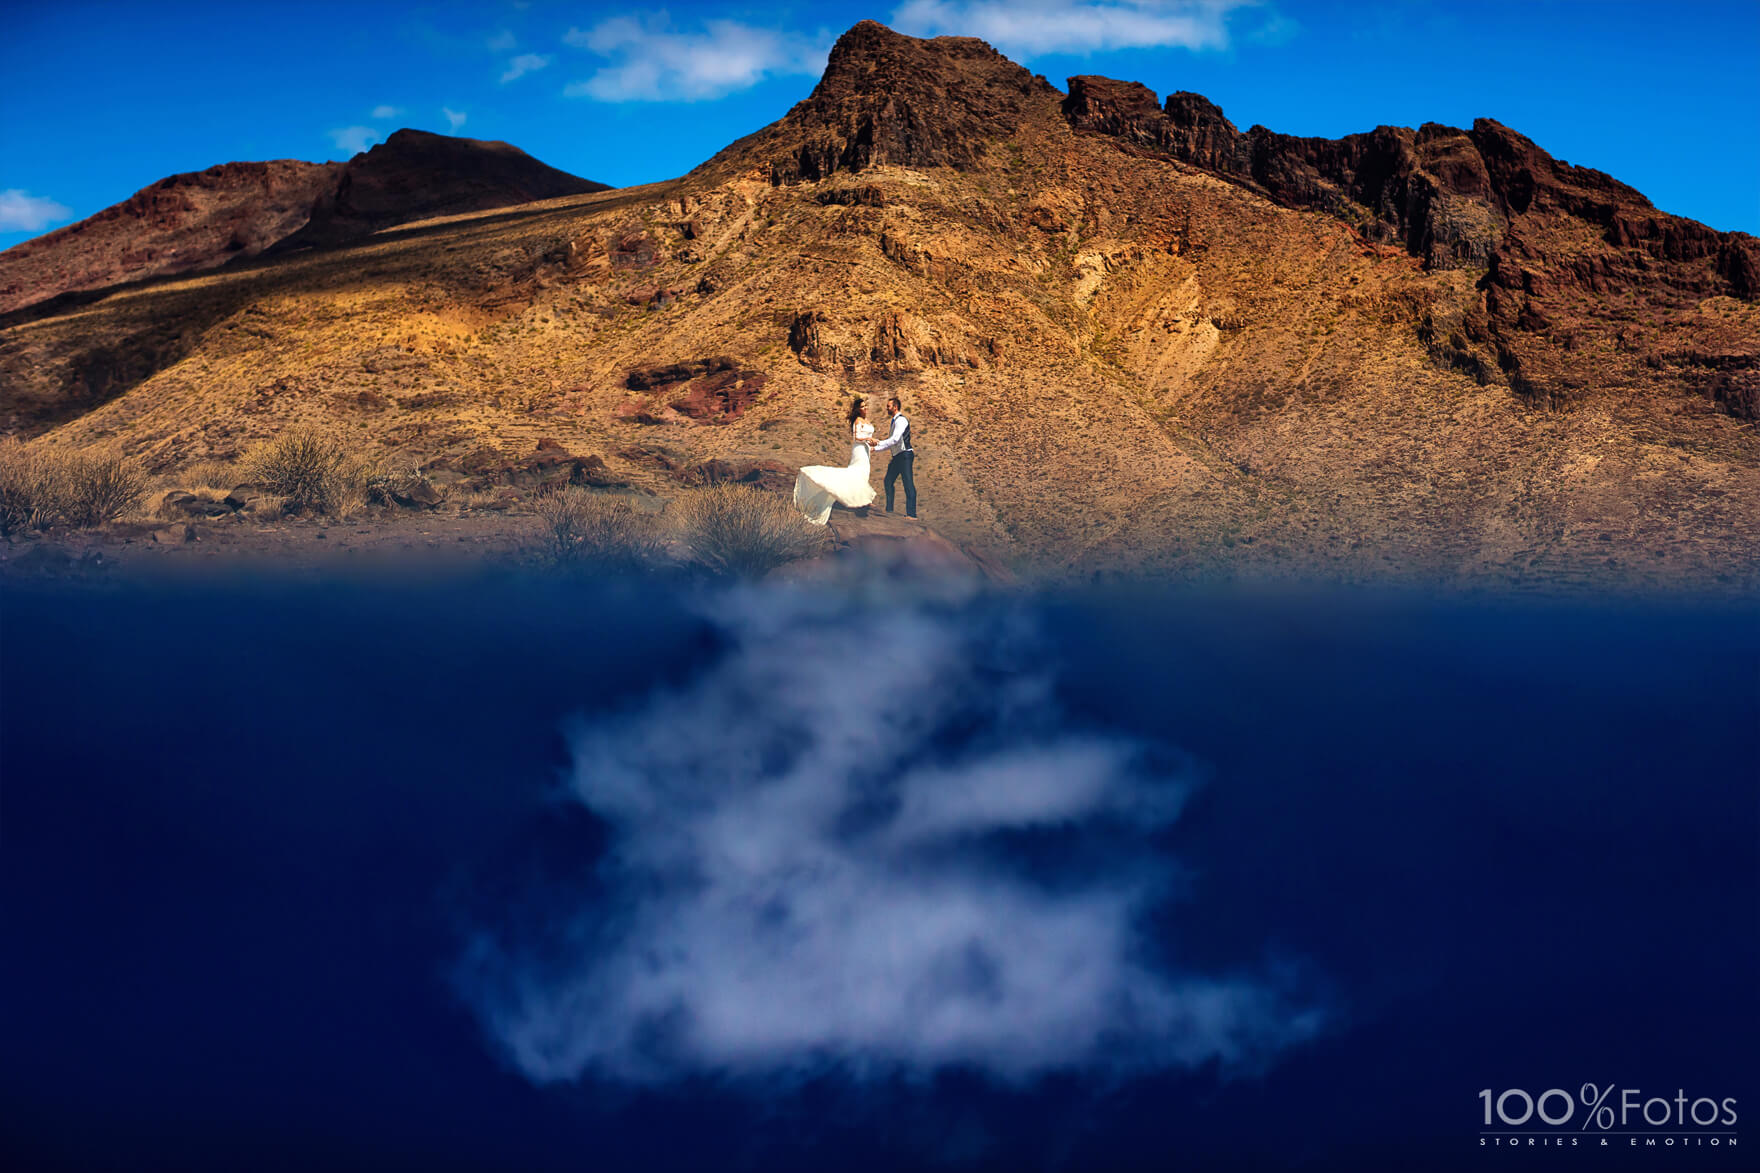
903	460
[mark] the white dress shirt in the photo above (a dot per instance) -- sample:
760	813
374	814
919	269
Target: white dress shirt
899	424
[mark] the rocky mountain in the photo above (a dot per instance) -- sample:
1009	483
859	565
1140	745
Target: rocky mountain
414	175
201	220
183	224
1552	240
1131	337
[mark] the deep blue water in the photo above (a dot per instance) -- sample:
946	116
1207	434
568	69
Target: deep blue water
248	830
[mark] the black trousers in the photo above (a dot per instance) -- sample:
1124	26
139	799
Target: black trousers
902	466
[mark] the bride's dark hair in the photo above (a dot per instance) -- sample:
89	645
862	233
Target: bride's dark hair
855	410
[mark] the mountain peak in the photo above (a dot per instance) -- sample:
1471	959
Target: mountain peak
870	51
891	99
416	174
426	144
202	219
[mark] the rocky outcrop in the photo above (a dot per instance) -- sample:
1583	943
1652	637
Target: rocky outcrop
869	546
1125	110
892	343
769	475
715	390
865	195
891	99
634	249
1425	190
550	467
1574	261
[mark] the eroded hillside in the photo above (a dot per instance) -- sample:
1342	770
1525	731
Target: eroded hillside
1117	358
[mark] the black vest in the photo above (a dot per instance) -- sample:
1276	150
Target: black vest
904	444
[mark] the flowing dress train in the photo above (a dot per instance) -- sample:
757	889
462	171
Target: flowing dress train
819	486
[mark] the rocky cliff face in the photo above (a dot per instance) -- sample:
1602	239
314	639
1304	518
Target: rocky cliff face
1553	241
183	224
891	100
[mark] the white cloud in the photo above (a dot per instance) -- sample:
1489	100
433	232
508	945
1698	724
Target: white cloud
523	64
810	866
454	119
1028	28
502	41
387	111
354	139
652	62
22	212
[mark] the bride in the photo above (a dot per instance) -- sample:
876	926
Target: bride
820	485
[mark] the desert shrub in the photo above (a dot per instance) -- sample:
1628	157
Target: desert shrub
591	529
300	466
98	487
25	497
348	493
739	530
214	476
43	486
310	473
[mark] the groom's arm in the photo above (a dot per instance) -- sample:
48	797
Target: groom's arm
898	423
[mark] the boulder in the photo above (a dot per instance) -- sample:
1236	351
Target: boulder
191	505
649	378
419	493
770	475
247	497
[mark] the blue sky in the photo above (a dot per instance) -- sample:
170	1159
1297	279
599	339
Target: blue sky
101	99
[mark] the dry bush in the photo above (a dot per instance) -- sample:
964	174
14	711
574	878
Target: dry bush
310	473
346	493
208	477
270	506
24	502
43	486
475	499
739	530
591	529
98	487
300	466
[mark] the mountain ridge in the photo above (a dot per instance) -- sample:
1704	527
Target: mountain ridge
198	220
1120	360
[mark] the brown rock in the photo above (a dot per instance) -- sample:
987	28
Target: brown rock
650	378
1485	199
721	397
889	99
191	505
769	475
417	494
634	249
866	195
246	498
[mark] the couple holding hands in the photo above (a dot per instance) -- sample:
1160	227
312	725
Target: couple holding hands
820	486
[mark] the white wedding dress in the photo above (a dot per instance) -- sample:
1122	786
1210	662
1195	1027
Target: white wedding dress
819	486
